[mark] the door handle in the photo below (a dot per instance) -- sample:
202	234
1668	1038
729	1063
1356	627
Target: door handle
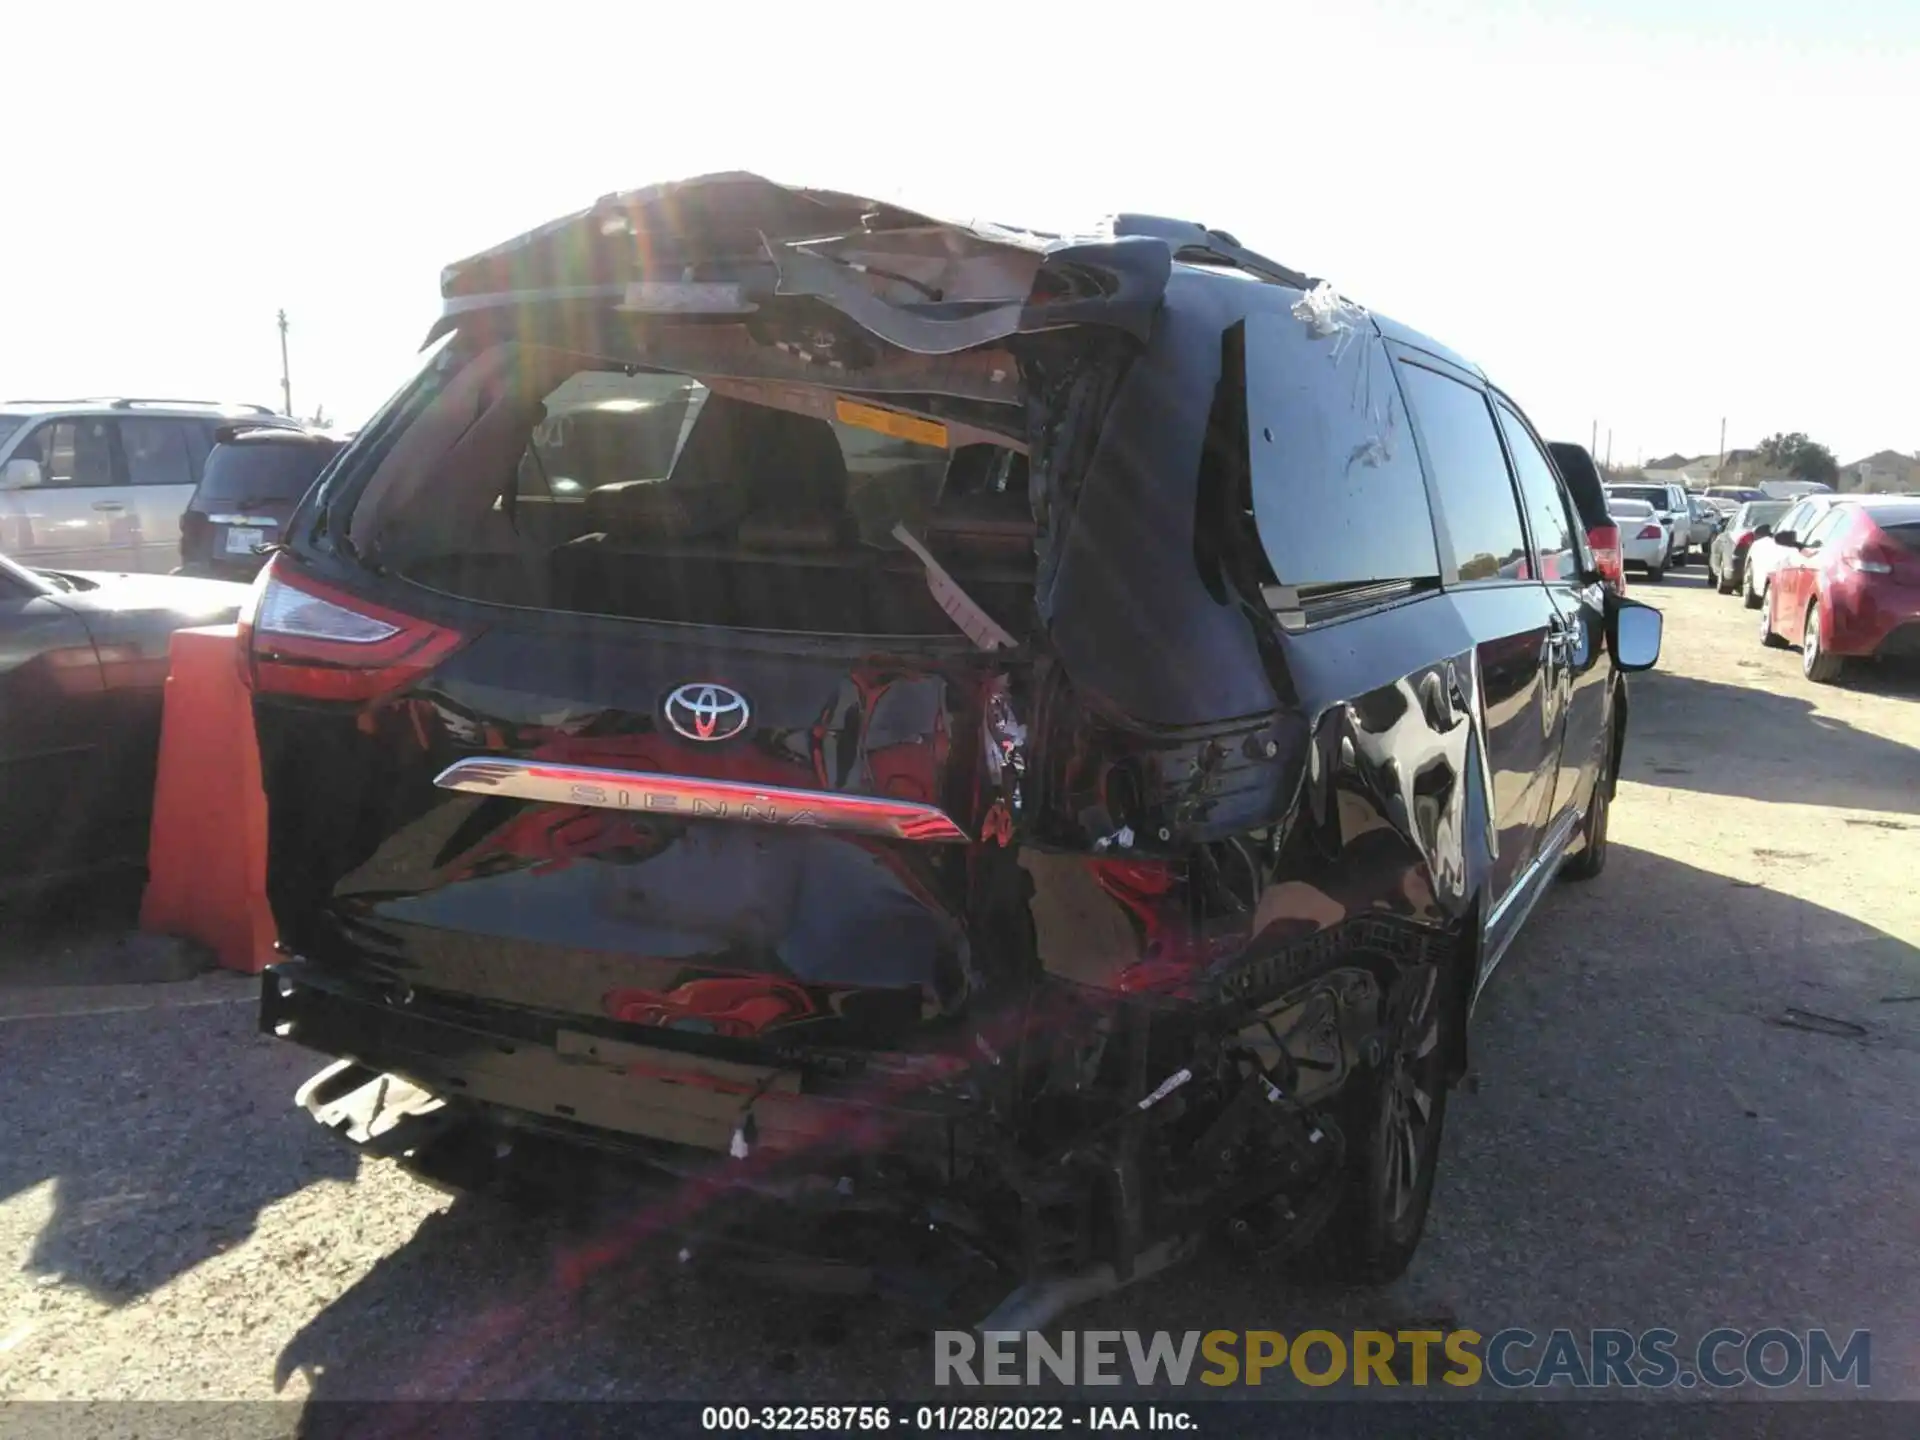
108	505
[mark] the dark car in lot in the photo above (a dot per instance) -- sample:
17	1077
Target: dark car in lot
1727	558
83	666
1849	588
1588	490
1042	739
254	476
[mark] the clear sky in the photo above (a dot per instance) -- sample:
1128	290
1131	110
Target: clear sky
1648	221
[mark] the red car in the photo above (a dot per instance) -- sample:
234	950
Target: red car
1849	587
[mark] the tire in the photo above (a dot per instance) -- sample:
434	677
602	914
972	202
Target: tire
1748	595
1767	636
1592	858
1376	1228
1656	573
1722	581
1816	663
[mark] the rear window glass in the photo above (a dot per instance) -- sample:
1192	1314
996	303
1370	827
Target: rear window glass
1899	522
247	471
534	475
1651	494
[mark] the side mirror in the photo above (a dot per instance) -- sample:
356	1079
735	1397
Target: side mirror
1633	633
1786	538
20	475
1761	532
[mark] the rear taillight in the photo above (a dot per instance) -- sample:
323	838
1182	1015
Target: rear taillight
1742	539
304	638
1867	562
1650	532
1604	541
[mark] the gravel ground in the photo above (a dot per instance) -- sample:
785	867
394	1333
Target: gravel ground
1647	1143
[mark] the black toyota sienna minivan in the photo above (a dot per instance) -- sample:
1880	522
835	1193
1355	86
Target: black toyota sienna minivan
1036	739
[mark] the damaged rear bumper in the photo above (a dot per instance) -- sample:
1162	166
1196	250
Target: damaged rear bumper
628	1096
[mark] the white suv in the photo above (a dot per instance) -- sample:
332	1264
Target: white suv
101	484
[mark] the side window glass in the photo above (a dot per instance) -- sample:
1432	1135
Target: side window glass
1540	492
76	453
1338	497
1827	526
156	451
199	446
1469	473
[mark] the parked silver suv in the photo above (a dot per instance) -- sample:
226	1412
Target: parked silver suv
100	484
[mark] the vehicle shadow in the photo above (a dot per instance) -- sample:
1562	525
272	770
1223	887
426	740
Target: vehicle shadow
1627	1092
145	1112
1721	739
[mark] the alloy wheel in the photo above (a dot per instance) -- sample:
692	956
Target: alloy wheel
1412	1082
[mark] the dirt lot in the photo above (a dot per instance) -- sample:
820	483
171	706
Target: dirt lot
1653	1139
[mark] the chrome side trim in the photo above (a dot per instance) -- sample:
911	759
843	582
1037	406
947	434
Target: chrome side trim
691	797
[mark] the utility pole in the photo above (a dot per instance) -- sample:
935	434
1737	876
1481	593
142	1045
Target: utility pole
1609	447
286	382
1720	466
1593	438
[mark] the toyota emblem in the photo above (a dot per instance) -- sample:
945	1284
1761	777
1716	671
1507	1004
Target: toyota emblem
707	712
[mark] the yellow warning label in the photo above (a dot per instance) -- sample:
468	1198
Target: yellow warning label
892	422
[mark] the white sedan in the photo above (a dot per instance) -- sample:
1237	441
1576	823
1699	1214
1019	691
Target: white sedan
1643	538
1764	557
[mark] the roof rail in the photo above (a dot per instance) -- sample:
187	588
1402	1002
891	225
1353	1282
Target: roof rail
128	402
277	425
69	400
1194	242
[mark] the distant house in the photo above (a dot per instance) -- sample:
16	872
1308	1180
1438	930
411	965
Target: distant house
1697	472
1668	468
1881	472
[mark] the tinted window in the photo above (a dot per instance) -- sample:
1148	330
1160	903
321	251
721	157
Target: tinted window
1583	481
1826	526
1540	492
156	451
257	470
1338	497
1796	519
1654	495
1470	473
71	452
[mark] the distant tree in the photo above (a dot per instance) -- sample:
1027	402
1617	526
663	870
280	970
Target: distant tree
1800	457
320	420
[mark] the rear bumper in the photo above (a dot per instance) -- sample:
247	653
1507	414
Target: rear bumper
1871	616
608	1092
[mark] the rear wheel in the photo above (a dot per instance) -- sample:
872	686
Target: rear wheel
1656	573
1816	663
1592	858
1767	636
1722	580
1395	1144
1749	594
